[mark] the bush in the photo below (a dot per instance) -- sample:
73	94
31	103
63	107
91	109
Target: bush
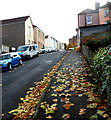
97	40
102	70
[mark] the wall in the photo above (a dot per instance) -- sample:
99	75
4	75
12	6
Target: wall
39	37
88	54
35	34
103	19
13	34
82	19
86	31
49	42
29	37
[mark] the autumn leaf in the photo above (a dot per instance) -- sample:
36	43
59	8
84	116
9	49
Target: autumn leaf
82	111
66	116
55	100
94	117
67	91
100	112
102	106
80	95
105	115
55	95
92	105
49	117
66	100
68	105
62	94
51	109
67	94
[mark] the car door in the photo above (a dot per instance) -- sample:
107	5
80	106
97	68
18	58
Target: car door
14	60
34	50
31	51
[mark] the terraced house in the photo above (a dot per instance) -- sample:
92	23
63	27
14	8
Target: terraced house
20	31
99	16
17	31
39	37
94	21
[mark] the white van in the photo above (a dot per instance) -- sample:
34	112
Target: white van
28	51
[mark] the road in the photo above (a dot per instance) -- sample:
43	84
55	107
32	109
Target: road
21	78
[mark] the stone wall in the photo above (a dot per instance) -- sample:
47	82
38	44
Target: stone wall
88	54
86	31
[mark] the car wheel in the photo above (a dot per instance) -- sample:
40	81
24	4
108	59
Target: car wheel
10	66
29	57
20	62
37	55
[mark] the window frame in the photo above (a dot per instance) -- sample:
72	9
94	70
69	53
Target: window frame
89	19
106	11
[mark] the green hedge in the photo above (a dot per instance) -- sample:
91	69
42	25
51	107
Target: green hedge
102	70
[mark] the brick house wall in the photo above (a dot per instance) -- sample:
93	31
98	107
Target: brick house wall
103	19
82	19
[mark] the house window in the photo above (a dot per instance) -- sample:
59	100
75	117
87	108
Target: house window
89	19
106	12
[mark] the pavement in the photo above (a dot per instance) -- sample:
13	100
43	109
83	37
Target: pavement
18	81
63	99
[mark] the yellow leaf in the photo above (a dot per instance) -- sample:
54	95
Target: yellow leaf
100	112
55	100
49	117
66	116
92	105
105	115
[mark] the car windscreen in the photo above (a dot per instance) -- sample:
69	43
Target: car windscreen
23	48
3	57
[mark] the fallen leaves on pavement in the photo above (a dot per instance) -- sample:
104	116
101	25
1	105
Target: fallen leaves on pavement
27	108
68	82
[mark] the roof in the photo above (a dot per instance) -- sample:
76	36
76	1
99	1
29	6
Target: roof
34	26
106	5
87	11
13	20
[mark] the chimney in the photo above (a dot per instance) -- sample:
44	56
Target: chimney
97	5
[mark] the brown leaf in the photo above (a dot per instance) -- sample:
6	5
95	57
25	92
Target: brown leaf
68	105
82	111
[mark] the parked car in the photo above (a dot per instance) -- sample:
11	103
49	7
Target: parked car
10	60
48	49
42	50
28	51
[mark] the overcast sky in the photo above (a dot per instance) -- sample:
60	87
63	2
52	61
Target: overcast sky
57	18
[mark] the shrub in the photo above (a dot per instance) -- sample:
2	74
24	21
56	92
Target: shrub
102	70
97	40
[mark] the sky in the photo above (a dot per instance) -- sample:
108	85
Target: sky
57	18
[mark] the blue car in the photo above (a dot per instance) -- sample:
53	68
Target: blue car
10	60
